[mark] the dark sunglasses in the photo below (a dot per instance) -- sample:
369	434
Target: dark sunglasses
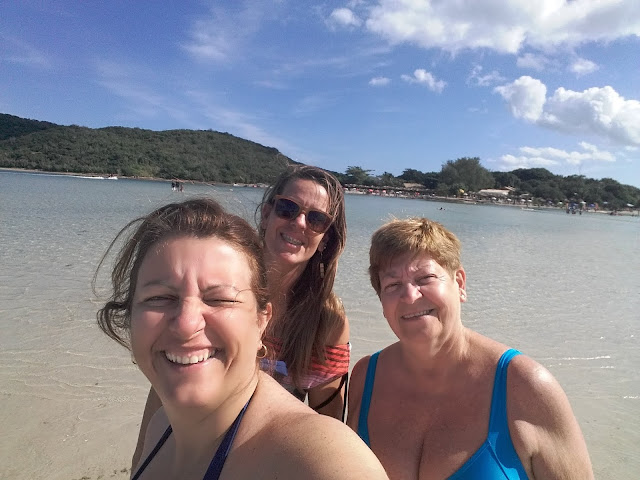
288	209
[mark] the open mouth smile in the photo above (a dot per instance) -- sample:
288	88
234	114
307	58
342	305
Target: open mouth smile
190	359
291	240
418	314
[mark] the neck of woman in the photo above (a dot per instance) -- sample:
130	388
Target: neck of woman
435	361
198	432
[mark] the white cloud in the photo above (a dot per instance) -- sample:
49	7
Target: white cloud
236	122
140	99
531	157
343	17
18	52
582	66
476	77
423	77
532	61
379	81
595	111
600	111
503	25
219	36
526	97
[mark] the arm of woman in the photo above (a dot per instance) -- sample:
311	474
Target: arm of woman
543	425
151	407
329	399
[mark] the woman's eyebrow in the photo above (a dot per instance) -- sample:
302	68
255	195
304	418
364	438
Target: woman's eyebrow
156	283
390	274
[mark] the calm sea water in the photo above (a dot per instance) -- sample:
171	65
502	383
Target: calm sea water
561	288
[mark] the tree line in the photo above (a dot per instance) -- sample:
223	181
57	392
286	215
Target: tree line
209	156
468	175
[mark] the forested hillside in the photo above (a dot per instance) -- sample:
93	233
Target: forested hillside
184	154
220	157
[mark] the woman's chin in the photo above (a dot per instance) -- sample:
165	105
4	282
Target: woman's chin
188	398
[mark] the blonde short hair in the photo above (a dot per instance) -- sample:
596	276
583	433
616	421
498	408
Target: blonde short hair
412	235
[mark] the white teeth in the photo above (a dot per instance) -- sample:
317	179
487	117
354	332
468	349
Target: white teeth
418	314
189	359
291	240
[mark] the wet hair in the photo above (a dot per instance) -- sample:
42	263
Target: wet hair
313	311
199	218
415	236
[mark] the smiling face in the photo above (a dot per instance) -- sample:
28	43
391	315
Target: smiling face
291	243
420	299
195	327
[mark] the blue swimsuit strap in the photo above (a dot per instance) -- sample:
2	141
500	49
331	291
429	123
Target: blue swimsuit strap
217	462
498	418
365	402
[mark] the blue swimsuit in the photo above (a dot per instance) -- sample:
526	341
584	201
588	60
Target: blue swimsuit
496	459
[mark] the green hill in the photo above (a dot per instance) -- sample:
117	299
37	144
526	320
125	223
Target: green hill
185	154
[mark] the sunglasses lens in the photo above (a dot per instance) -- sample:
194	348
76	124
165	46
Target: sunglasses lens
286	208
318	221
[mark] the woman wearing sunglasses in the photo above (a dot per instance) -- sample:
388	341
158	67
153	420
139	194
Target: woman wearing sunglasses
302	223
303	226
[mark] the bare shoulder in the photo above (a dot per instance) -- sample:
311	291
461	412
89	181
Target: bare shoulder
324	448
359	371
158	424
543	427
356	387
533	390
340	334
292	439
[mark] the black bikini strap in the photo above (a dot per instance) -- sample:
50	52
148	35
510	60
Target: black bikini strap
335	393
215	467
153	453
217	462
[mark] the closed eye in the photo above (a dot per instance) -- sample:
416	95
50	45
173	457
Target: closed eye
219	302
158	300
391	287
425	280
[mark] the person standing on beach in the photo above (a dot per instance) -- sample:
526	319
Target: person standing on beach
190	300
445	401
302	223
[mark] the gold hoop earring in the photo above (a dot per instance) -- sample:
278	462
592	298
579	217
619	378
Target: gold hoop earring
262	351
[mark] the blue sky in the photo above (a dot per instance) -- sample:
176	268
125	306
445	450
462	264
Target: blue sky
385	85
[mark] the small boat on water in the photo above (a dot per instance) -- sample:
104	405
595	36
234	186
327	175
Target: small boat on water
96	177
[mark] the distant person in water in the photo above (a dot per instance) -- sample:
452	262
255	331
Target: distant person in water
445	401
190	300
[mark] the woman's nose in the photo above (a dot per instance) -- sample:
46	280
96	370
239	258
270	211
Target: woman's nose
188	319
410	292
301	220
